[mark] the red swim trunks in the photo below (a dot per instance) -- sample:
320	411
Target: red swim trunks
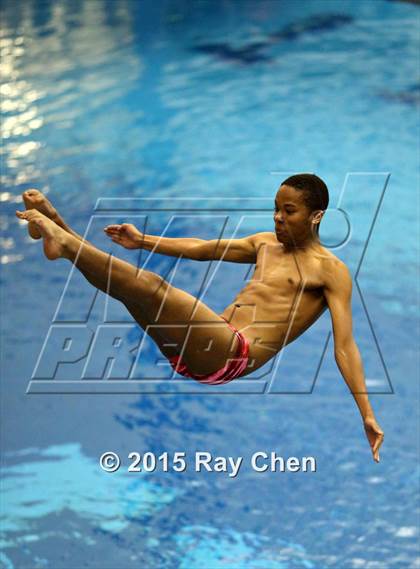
231	370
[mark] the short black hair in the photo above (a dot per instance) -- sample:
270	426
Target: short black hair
315	191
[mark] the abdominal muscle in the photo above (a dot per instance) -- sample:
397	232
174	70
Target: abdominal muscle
269	326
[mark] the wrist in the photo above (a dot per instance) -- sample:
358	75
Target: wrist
146	241
368	415
365	407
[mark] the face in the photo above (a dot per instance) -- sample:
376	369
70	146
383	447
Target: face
292	217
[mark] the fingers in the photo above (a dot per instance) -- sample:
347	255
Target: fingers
114	232
375	448
375	437
117	239
112	229
375	452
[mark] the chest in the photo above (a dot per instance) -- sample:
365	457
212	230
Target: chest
287	271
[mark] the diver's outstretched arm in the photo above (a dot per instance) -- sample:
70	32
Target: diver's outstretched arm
234	250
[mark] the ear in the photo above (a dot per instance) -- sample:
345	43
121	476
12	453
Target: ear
317	216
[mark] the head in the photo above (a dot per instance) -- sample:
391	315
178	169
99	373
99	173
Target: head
300	204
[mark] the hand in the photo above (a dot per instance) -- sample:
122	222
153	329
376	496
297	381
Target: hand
126	235
375	436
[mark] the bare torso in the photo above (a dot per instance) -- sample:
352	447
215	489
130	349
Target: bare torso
283	298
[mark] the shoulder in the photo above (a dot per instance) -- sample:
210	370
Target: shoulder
335	272
263	237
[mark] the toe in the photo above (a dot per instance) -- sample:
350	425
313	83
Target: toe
31	214
31	197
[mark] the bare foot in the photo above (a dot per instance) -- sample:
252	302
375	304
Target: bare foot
55	238
34	199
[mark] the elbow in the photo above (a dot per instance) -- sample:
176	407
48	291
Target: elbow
199	252
344	349
340	352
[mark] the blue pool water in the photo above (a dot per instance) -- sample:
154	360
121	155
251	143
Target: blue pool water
172	99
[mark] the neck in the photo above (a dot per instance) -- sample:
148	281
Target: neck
303	245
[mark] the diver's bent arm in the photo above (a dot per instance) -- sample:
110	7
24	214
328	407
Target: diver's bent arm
337	292
350	365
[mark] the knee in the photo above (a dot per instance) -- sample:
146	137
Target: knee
152	284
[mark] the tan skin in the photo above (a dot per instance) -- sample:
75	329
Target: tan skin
295	280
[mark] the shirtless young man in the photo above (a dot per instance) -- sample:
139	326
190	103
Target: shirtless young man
294	281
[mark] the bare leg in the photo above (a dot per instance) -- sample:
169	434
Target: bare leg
206	346
35	199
